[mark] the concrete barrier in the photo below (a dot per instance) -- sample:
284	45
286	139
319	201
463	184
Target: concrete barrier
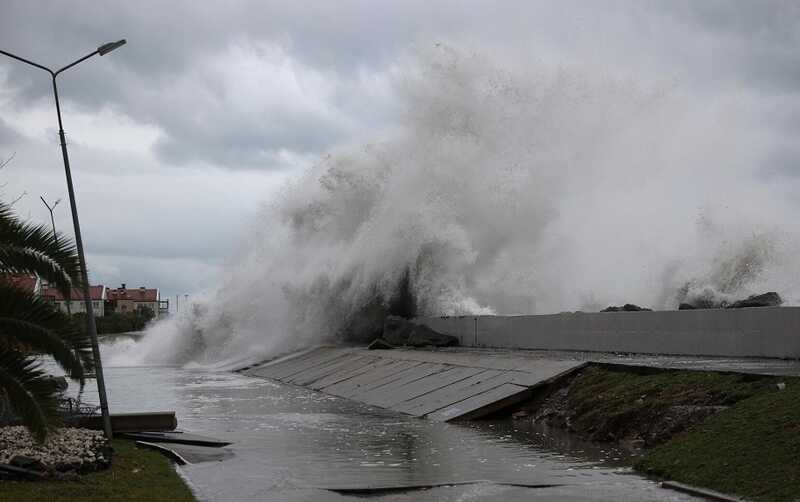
131	422
750	332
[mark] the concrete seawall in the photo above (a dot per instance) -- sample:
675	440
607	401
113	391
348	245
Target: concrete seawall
752	332
440	386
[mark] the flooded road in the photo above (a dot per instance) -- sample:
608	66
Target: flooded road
294	444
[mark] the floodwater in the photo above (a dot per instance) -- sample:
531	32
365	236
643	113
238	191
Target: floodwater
293	444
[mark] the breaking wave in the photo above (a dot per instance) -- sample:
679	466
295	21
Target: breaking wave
506	190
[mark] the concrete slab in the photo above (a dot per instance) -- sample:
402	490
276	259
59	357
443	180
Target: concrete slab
409	368
451	394
425	385
443	385
315	373
188	454
267	368
176	437
359	365
312	360
283	368
350	383
386	368
376	395
130	422
483	404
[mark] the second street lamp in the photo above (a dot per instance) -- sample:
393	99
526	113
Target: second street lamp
90	323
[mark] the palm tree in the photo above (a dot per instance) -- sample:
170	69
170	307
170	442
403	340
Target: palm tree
30	326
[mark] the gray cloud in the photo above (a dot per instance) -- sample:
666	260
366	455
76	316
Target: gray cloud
8	136
240	90
179	63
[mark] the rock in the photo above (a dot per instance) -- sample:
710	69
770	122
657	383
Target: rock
628	307
423	336
398	331
368	323
66	450
25	462
10	472
379	344
771	299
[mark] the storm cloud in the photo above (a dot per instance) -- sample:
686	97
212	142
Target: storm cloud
182	134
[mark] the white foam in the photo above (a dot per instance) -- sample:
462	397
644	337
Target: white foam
501	189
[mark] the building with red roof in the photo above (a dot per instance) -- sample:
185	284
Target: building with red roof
104	300
127	301
76	303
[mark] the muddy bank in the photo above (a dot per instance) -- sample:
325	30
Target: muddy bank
641	407
730	432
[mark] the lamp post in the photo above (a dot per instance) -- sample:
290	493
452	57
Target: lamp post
90	324
52	220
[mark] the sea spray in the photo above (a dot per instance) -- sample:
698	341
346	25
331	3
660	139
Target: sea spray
520	189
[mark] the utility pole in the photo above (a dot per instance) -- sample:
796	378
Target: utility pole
91	328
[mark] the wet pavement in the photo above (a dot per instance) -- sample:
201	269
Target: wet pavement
295	444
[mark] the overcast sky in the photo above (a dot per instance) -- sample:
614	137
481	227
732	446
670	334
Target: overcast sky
178	137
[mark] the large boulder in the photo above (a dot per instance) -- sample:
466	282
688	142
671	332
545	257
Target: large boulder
771	299
368	323
399	331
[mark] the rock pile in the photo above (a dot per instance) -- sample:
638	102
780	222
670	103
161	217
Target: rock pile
770	299
398	331
66	452
628	307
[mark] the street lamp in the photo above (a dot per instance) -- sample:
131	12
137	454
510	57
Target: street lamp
52	220
90	324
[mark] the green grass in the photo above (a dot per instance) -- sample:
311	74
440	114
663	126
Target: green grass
751	450
135	474
611	403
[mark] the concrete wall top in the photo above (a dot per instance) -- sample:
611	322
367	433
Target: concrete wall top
749	332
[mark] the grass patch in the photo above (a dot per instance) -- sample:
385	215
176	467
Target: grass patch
751	449
733	433
135	474
613	403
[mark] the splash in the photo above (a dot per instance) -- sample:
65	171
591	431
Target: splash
528	189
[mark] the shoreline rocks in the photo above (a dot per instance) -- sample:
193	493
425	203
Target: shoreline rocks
66	452
769	299
628	307
398	331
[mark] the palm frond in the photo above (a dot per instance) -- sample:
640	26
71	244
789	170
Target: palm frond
23	260
35	338
33	397
32	323
29	248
